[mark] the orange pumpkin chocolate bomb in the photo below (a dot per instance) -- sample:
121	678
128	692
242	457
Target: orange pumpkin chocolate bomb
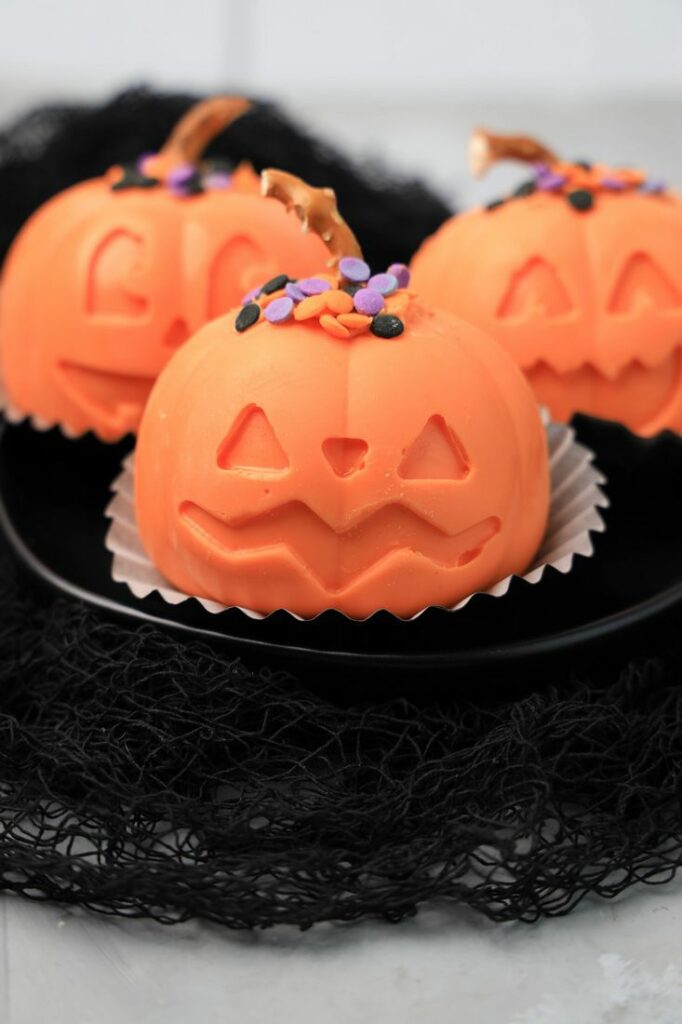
579	275
108	278
335	443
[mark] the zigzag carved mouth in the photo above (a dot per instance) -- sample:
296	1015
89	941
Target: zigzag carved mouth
119	398
645	390
338	558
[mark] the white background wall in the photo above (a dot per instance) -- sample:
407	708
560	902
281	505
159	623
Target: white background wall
373	50
398	79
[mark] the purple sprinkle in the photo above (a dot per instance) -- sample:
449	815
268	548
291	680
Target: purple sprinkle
293	291
354	269
217	180
368	301
181	175
250	295
540	169
384	283
314	286
613	184
401	273
652	186
279	310
551	182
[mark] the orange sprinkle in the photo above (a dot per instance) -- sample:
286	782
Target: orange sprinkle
397	304
311	306
355	321
333	327
581	179
631	177
338	301
265	300
114	174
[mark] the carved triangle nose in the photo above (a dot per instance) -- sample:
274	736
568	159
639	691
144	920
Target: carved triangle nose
346	455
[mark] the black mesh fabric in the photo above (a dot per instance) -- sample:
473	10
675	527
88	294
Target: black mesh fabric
146	776
142	774
53	147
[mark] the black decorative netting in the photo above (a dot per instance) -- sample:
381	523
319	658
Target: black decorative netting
56	146
142	774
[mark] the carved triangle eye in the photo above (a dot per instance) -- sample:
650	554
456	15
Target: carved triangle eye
110	288
252	444
436	454
643	283
535	291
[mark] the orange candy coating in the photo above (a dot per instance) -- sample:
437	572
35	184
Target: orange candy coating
354	321
283	468
311	306
588	304
339	301
101	287
332	326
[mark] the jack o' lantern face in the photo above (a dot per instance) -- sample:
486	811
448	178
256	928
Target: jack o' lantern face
356	475
589	305
340	550
114	341
109	278
104	288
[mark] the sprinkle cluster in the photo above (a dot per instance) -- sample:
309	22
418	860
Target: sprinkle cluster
581	182
185	180
345	303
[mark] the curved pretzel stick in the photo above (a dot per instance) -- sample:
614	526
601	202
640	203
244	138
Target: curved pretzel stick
194	131
485	149
316	209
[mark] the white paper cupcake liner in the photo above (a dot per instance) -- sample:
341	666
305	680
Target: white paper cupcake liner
576	498
14	415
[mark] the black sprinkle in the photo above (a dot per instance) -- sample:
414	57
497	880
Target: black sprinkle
351	289
387	326
494	204
133	179
526	189
247	316
274	284
585	165
215	164
581	199
193	186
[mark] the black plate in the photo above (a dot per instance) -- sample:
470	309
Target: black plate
53	492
